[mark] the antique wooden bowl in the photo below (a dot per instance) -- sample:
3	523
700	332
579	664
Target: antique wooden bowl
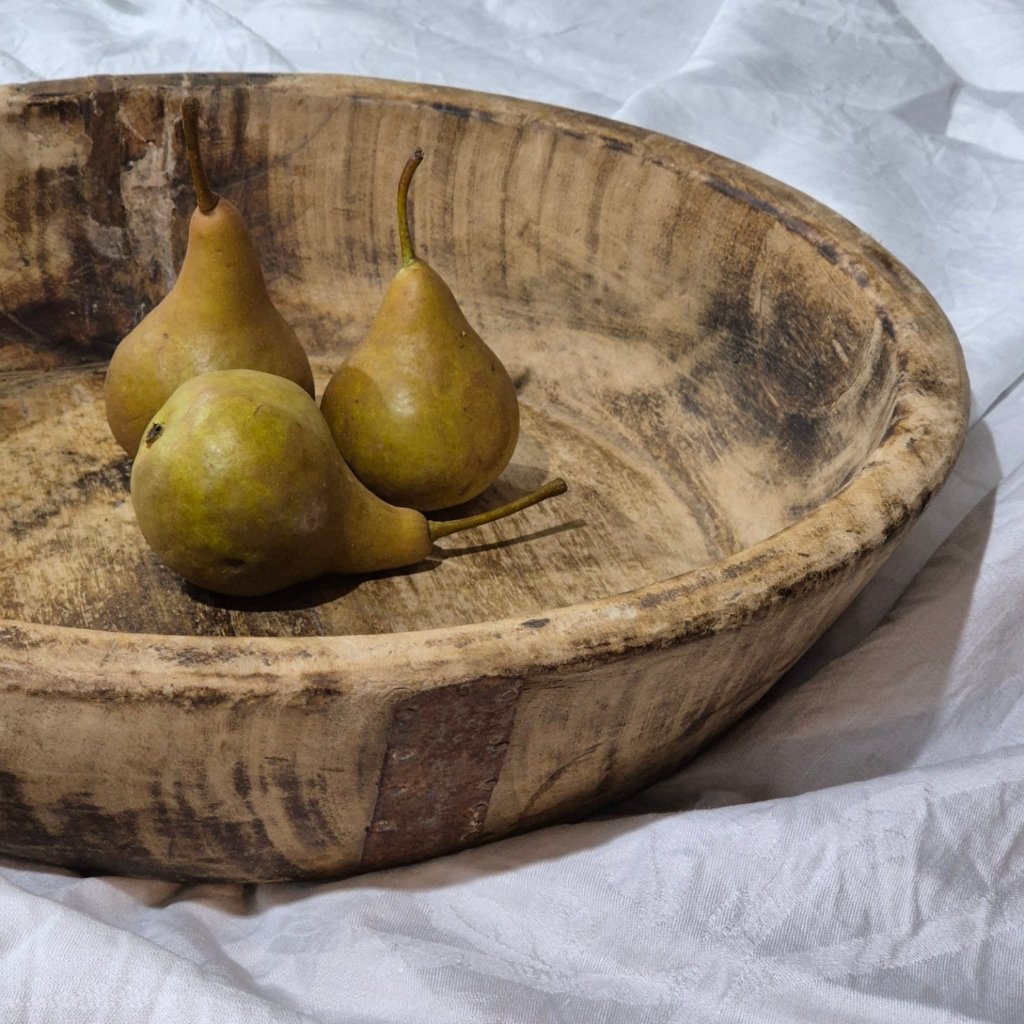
750	399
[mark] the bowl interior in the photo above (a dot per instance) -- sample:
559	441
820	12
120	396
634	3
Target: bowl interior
702	369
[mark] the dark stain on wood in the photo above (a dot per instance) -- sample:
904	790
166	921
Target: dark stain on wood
301	799
802	436
19	820
69	317
461	112
615	144
241	147
112	476
108	154
18	639
595	227
219	847
87	838
777	361
887	325
194	656
94	827
141	116
825	248
240	779
50	327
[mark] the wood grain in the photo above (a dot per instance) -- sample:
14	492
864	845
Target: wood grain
751	401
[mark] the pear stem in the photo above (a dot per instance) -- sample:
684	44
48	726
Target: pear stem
408	255
549	490
206	198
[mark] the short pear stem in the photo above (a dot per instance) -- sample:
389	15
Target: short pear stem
549	490
206	198
408	255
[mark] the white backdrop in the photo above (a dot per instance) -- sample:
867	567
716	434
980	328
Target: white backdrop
854	850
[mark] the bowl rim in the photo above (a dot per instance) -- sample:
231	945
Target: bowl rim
922	439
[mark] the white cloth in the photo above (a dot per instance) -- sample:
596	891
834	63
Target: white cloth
852	851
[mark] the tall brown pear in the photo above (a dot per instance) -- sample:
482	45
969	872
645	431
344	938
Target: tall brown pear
422	410
218	314
239	487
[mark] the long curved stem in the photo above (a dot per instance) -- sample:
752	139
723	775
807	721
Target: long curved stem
408	256
549	490
206	198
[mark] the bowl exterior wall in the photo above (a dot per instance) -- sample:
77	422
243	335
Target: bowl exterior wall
321	780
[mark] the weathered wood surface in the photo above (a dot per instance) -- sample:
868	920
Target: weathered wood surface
751	401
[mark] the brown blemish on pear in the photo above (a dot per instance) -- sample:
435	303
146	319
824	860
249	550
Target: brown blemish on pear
422	410
218	315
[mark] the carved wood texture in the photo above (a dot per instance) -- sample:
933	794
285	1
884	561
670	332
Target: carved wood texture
750	399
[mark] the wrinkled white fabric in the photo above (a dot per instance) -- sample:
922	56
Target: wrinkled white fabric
853	850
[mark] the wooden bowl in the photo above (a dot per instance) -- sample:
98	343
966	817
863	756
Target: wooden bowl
750	399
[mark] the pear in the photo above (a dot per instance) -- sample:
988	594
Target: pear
422	410
239	487
218	315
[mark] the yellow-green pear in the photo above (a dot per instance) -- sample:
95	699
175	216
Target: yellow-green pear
422	409
239	487
218	315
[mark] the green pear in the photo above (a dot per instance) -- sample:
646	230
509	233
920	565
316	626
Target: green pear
218	315
239	487
422	409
